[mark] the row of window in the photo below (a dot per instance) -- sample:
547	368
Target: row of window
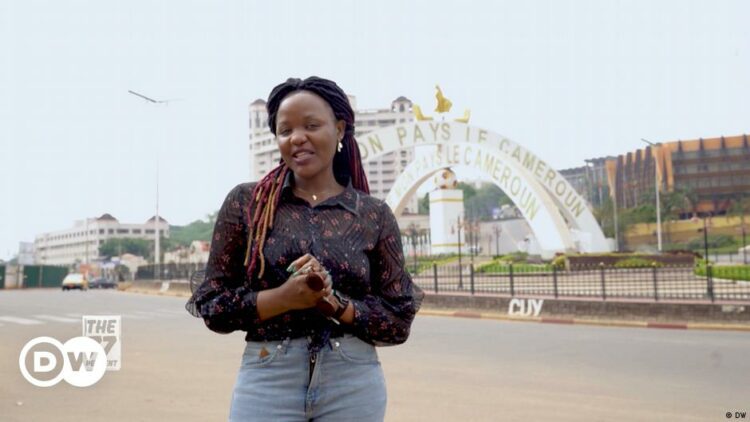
101	231
712	167
716	182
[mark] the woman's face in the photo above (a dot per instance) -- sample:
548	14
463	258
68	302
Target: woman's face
307	133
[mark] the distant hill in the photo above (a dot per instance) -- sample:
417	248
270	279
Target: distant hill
197	230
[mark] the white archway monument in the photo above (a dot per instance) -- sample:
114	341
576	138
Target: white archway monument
553	209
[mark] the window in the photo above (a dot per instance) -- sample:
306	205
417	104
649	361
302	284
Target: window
149	231
136	231
111	231
123	231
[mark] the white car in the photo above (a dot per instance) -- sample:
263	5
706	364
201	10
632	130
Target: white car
75	281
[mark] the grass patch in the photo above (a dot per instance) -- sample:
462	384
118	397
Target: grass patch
501	266
727	272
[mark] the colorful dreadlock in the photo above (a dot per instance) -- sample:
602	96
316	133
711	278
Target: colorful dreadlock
347	163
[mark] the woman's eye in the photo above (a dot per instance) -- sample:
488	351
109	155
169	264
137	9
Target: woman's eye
284	132
312	126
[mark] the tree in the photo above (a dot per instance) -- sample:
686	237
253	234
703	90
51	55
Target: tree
117	247
479	203
423	205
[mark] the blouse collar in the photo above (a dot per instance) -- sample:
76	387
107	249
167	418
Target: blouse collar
348	199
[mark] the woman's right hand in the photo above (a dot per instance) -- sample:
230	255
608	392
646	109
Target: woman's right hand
296	293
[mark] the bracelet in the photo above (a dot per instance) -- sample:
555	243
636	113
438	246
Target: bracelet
343	304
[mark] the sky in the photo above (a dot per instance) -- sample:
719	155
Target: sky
569	80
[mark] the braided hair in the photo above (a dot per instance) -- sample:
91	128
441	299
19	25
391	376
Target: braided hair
347	163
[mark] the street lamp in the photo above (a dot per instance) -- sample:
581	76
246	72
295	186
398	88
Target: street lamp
656	188
460	271
157	249
497	240
705	237
413	235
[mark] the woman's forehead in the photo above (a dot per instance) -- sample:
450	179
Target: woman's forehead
304	104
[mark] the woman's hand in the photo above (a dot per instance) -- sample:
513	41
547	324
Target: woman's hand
303	289
296	293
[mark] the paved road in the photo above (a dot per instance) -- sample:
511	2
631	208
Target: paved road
452	369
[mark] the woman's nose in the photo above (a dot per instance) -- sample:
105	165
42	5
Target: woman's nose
298	137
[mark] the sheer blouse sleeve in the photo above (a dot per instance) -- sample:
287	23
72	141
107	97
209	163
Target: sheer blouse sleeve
224	300
384	317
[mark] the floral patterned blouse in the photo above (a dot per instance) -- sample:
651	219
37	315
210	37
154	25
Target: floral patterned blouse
353	235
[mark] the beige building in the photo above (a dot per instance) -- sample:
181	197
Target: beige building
80	244
381	171
196	253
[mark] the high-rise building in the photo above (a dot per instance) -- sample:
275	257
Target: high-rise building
381	171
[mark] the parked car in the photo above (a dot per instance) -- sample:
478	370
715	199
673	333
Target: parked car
75	281
102	283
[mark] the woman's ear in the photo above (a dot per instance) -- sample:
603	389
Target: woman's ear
340	130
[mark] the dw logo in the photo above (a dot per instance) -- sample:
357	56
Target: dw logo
81	361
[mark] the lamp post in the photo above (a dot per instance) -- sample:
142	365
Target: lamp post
656	189
413	236
157	248
744	246
460	271
705	238
497	240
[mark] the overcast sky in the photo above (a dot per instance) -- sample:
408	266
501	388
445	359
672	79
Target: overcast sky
569	80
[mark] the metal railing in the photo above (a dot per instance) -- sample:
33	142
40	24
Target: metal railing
654	283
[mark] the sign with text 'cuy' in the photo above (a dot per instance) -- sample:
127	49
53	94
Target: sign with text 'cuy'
107	331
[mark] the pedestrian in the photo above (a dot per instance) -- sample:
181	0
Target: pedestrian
311	267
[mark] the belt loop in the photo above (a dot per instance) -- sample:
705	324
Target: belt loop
284	345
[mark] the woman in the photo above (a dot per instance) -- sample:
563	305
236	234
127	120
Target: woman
309	352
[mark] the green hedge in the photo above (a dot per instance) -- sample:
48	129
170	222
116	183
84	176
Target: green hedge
637	263
727	272
500	266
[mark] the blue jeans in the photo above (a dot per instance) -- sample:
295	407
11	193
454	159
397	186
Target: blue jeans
347	382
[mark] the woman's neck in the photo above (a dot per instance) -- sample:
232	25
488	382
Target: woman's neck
323	183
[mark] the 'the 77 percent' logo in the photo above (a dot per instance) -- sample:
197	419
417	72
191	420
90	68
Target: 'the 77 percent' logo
106	330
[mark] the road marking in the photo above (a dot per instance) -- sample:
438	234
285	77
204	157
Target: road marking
22	321
131	316
56	318
152	314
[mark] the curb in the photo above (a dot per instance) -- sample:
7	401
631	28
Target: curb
504	317
592	322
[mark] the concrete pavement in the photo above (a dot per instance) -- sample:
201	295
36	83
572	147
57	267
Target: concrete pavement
174	369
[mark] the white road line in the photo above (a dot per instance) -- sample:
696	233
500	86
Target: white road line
57	318
131	316
151	314
22	321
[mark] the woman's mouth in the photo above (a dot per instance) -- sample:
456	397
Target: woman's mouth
302	157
